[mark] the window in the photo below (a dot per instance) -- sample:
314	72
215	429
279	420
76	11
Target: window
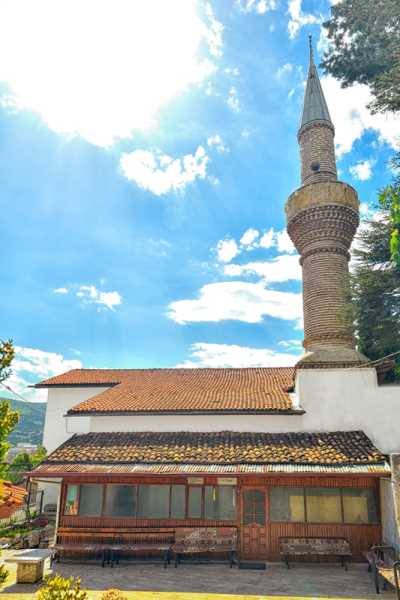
90	500
120	501
287	504
178	497
153	501
71	500
359	506
254	507
194	502
323	505
219	502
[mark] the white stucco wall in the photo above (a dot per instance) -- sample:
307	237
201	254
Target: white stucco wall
59	400
334	400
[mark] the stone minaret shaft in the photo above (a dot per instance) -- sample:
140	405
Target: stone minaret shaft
322	218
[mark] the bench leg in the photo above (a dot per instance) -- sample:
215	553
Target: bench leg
177	560
376	580
167	558
286	558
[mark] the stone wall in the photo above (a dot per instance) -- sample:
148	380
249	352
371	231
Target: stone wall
317	149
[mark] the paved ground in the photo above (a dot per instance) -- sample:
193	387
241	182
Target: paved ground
201	582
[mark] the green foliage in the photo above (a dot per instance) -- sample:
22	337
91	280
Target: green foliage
8	420
365	48
3	573
7	354
375	292
25	462
58	588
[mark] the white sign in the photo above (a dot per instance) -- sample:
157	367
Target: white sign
227	480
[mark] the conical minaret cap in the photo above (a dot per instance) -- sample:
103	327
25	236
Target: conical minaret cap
315	107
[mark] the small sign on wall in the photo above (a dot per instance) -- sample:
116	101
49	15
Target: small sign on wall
227	480
195	480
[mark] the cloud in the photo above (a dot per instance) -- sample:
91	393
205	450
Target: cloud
89	294
298	19
158	247
279	269
217	142
258	6
286	68
233	100
233	356
102	70
160	174
284	243
226	250
61	290
267	239
31	365
351	117
362	170
249	237
240	301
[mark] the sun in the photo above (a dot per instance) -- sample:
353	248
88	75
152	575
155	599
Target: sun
103	68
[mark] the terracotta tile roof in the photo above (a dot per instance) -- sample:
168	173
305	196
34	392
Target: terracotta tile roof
12	497
220	448
87	377
164	390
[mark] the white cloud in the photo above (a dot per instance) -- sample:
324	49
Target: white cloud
218	143
31	365
240	301
249	238
233	100
279	269
101	69
284	243
296	345
267	239
258	6
61	290
226	250
351	117
89	294
160	174
234	356
362	170
158	247
286	68
298	19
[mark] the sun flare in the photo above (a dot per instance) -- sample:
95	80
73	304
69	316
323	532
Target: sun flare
103	68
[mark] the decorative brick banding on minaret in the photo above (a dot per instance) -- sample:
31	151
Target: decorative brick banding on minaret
322	218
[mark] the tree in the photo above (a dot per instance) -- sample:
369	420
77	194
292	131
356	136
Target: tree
375	292
7	353
24	462
365	48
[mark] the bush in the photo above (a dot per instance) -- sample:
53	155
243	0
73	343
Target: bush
113	595
58	588
3	574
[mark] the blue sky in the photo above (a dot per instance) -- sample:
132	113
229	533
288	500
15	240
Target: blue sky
146	153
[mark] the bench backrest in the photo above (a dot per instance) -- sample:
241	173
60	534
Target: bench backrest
109	536
210	538
314	545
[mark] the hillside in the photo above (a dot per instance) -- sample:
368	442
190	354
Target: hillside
30	426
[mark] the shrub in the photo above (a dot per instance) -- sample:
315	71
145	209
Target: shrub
113	595
58	588
3	574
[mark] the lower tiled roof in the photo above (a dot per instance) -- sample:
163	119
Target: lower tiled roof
337	449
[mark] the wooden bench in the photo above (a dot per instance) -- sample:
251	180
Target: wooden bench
110	544
291	547
202	540
382	561
30	565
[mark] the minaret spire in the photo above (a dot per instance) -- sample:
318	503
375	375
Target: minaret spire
311	49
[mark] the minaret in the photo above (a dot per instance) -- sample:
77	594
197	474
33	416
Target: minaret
322	218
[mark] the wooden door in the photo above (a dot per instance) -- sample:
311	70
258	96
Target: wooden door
253	526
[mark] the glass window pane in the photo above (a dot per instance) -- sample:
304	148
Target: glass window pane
359	506
153	501
254	507
120	501
287	504
71	500
219	502
90	500
194	502
323	505
178	501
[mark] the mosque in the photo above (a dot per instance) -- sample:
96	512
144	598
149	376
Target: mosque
312	450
